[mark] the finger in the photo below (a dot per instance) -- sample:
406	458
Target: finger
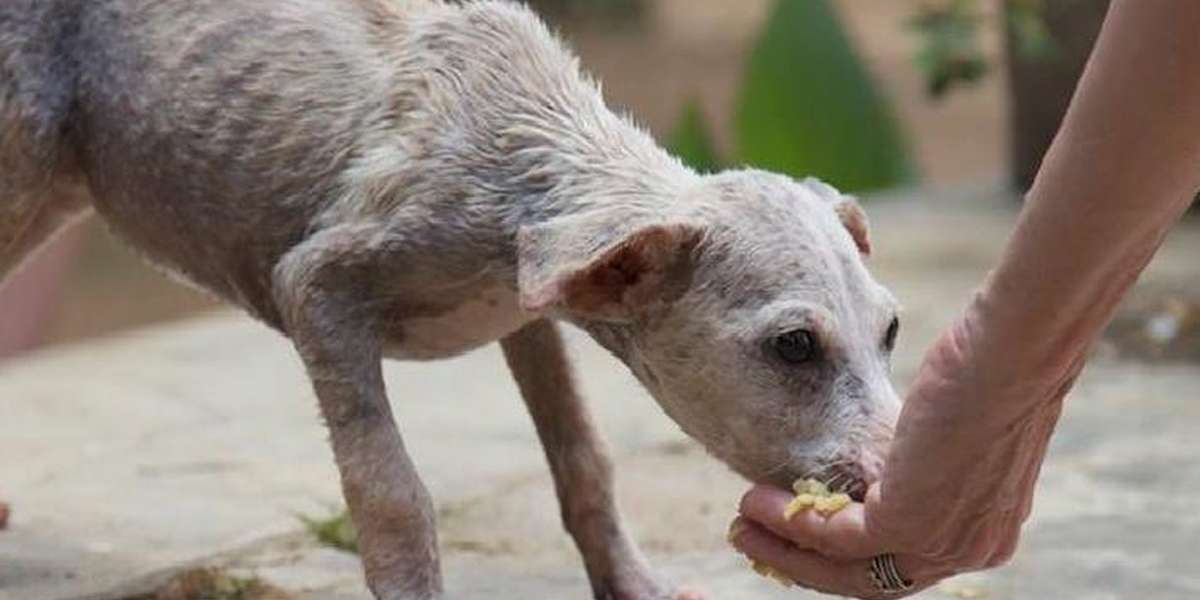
841	535
807	569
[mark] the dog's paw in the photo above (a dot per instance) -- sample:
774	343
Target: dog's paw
688	593
642	586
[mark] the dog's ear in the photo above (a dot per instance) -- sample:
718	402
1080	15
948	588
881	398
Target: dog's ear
848	211
602	266
855	221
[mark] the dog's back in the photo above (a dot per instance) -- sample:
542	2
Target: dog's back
212	134
214	129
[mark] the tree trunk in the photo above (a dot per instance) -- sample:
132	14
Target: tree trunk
1042	87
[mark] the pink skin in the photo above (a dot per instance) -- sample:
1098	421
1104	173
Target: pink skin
1124	168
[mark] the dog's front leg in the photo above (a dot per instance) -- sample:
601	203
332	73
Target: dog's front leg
582	471
321	293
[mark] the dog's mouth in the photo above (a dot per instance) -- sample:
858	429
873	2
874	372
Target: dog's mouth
839	479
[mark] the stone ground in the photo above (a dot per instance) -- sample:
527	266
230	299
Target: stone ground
131	457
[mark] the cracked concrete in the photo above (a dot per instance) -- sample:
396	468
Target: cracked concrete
128	458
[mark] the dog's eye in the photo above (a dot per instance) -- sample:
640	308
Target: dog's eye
796	347
889	338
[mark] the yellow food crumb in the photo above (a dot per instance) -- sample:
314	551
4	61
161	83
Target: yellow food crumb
813	494
798	505
810	486
768	572
832	504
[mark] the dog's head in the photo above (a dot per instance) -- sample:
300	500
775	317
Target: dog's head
748	313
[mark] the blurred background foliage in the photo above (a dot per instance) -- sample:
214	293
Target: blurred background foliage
1047	45
808	106
692	141
951	53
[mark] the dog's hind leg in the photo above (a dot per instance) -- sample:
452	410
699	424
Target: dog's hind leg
581	468
40	193
41	189
39	196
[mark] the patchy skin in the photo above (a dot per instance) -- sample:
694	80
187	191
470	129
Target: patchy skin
412	179
491	316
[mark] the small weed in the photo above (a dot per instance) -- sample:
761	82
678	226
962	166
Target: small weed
336	530
214	584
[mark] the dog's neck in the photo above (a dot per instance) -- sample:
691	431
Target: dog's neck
591	160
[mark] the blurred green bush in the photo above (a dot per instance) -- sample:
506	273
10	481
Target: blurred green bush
949	33
807	106
692	142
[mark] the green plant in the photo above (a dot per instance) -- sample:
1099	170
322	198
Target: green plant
335	530
807	106
950	53
212	583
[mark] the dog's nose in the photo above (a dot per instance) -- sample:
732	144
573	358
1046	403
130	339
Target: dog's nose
856	470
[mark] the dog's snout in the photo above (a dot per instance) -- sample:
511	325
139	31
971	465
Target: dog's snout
855	471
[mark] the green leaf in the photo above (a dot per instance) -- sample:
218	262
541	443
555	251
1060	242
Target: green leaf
1030	34
335	530
809	107
691	141
950	54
